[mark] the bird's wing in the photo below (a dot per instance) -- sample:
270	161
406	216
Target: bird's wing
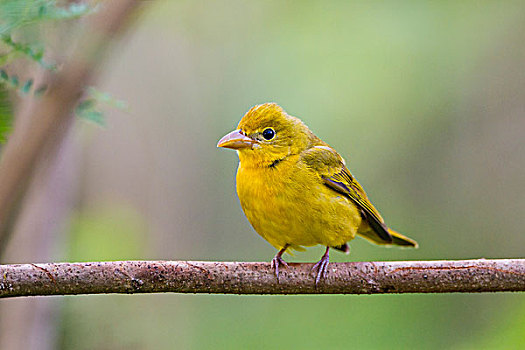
331	168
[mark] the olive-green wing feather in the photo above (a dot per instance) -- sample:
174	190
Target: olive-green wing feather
330	166
343	183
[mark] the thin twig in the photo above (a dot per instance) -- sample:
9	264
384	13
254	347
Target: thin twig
463	276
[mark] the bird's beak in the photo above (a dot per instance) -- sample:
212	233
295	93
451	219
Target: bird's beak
235	140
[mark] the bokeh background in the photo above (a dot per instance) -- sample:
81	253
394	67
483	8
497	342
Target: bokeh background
425	100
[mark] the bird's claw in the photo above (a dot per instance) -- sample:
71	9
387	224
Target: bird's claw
276	261
321	266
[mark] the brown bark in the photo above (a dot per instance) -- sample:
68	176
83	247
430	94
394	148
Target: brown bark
465	276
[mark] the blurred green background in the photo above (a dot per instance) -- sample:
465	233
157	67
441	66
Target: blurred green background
425	100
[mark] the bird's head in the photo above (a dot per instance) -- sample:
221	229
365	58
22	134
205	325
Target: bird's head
267	134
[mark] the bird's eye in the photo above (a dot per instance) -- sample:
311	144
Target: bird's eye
268	133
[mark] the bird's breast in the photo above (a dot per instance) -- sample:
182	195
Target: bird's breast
289	204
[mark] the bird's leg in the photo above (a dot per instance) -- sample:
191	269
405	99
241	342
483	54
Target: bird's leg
278	260
322	265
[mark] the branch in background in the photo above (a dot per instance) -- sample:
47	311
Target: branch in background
43	120
465	276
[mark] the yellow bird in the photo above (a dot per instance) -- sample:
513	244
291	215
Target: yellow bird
296	190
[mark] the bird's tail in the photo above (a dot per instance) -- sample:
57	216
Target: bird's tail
402	240
397	238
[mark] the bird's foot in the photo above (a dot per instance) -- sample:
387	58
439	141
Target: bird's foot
276	262
321	266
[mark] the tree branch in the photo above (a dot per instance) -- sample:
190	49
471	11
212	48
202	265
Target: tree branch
465	276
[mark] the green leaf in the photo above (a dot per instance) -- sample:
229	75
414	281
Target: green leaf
86	110
38	55
42	11
94	116
104	97
31	52
14	81
27	86
6	115
85	105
